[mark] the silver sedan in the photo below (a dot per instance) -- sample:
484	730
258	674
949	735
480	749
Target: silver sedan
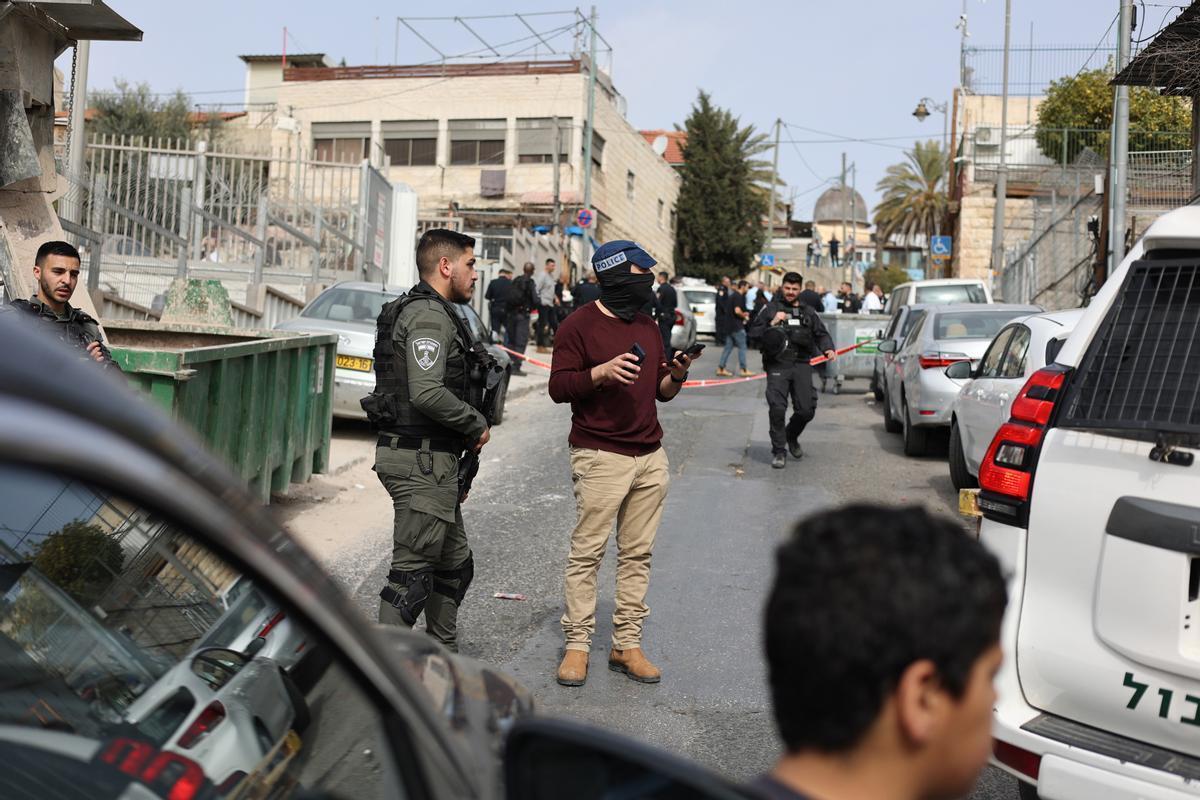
918	395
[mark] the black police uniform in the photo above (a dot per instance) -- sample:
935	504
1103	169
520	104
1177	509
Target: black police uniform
74	326
787	349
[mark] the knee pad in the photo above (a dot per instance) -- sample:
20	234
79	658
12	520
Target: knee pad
463	573
411	599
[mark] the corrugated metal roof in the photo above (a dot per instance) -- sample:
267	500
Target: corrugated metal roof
1172	61
294	59
86	20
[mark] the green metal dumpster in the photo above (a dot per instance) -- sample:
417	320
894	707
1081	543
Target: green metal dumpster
261	400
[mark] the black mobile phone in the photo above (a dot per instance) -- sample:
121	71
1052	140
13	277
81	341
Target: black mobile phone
638	352
694	350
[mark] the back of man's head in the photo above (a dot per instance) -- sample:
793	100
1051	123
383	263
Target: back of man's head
438	243
55	248
810	285
873	611
528	268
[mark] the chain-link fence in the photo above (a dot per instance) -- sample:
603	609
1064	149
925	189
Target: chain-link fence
1031	68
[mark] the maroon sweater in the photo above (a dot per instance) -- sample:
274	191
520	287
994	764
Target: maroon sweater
614	417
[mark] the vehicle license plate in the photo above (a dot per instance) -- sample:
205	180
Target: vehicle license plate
355	363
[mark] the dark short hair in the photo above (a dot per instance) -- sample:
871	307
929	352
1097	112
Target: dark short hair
742	284
438	242
860	594
551	261
794	277
664	274
810	284
56	248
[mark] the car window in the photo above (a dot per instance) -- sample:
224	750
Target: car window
1013	365
915	331
473	320
989	367
971	324
104	607
911	320
240	616
340	304
953	293
890	333
698	297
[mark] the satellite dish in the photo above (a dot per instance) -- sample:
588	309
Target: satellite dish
659	145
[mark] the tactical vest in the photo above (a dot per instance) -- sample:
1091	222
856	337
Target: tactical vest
799	341
389	407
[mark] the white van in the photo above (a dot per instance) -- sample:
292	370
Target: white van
1091	500
939	291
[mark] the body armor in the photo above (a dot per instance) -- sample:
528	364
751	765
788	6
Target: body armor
469	375
793	341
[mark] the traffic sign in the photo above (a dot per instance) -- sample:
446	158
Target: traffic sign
584	218
767	260
940	247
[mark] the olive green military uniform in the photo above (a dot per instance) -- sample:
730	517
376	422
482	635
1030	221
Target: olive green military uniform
430	554
74	326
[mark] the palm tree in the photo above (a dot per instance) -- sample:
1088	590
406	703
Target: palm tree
914	196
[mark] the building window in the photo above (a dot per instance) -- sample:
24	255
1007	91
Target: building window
661	206
630	180
597	149
410	143
535	140
477	141
341	141
674	220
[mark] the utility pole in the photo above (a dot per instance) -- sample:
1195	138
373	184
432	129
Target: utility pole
556	226
853	223
962	48
75	157
774	180
588	134
1120	161
1002	170
842	254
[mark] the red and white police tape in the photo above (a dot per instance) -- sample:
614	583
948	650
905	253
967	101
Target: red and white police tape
707	381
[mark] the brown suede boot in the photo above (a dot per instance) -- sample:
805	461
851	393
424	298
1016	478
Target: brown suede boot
634	664
573	669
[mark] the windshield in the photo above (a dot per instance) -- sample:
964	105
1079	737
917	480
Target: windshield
972	324
697	297
953	293
348	305
473	321
242	613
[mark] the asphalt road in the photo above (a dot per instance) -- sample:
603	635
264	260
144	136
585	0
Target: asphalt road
726	511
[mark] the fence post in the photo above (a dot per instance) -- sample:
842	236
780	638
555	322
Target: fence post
186	221
261	232
316	262
360	258
198	181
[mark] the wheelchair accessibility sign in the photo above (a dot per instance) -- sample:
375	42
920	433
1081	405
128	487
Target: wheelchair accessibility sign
940	248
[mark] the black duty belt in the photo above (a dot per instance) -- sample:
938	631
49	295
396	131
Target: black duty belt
455	446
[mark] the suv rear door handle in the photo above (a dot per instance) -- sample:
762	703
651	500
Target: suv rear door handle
1169	526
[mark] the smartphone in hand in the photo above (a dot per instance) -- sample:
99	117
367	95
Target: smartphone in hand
694	350
638	353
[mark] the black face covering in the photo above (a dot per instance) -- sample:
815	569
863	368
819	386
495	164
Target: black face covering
624	293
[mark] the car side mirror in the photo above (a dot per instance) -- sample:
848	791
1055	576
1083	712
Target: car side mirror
548	759
255	646
888	346
960	370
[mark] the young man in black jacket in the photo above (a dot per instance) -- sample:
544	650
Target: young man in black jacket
791	334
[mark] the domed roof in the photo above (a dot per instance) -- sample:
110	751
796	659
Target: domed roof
829	207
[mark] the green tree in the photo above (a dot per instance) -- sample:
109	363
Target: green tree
888	277
133	110
723	196
914	200
81	559
1077	114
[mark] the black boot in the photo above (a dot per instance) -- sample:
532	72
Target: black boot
795	449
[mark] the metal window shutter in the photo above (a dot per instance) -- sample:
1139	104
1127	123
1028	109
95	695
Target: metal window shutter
409	129
341	130
479	130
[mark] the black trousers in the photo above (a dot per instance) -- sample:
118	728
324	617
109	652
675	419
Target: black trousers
789	381
499	317
664	327
547	322
516	334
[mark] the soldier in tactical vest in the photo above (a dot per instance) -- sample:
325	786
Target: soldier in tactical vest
56	270
430	410
791	334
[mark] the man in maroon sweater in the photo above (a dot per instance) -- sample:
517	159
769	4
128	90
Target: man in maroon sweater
618	466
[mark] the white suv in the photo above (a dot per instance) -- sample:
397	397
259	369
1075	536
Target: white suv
1091	500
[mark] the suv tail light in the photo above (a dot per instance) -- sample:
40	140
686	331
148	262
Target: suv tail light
270	625
941	360
209	718
1006	473
170	775
678	317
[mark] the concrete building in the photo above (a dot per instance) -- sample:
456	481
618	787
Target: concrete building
480	143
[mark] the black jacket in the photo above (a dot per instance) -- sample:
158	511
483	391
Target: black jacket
821	338
497	291
666	303
584	293
74	327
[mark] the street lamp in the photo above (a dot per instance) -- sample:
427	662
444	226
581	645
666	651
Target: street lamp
921	112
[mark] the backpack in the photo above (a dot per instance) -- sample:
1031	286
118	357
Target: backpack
519	293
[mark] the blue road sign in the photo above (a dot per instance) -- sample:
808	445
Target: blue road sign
939	246
768	260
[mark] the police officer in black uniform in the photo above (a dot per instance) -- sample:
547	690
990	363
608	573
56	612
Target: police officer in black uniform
56	270
434	385
791	334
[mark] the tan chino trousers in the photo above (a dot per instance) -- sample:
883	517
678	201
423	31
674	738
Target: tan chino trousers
629	490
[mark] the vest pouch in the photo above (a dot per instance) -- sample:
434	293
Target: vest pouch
381	410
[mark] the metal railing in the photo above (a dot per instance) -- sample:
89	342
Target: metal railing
1031	68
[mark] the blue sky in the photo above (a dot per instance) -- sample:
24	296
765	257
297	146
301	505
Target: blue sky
854	69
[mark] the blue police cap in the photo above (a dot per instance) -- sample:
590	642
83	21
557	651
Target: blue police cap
615	253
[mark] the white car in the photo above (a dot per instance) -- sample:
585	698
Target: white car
223	709
1091	501
702	300
1020	349
938	291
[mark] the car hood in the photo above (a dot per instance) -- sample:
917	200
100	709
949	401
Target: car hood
479	703
354	339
